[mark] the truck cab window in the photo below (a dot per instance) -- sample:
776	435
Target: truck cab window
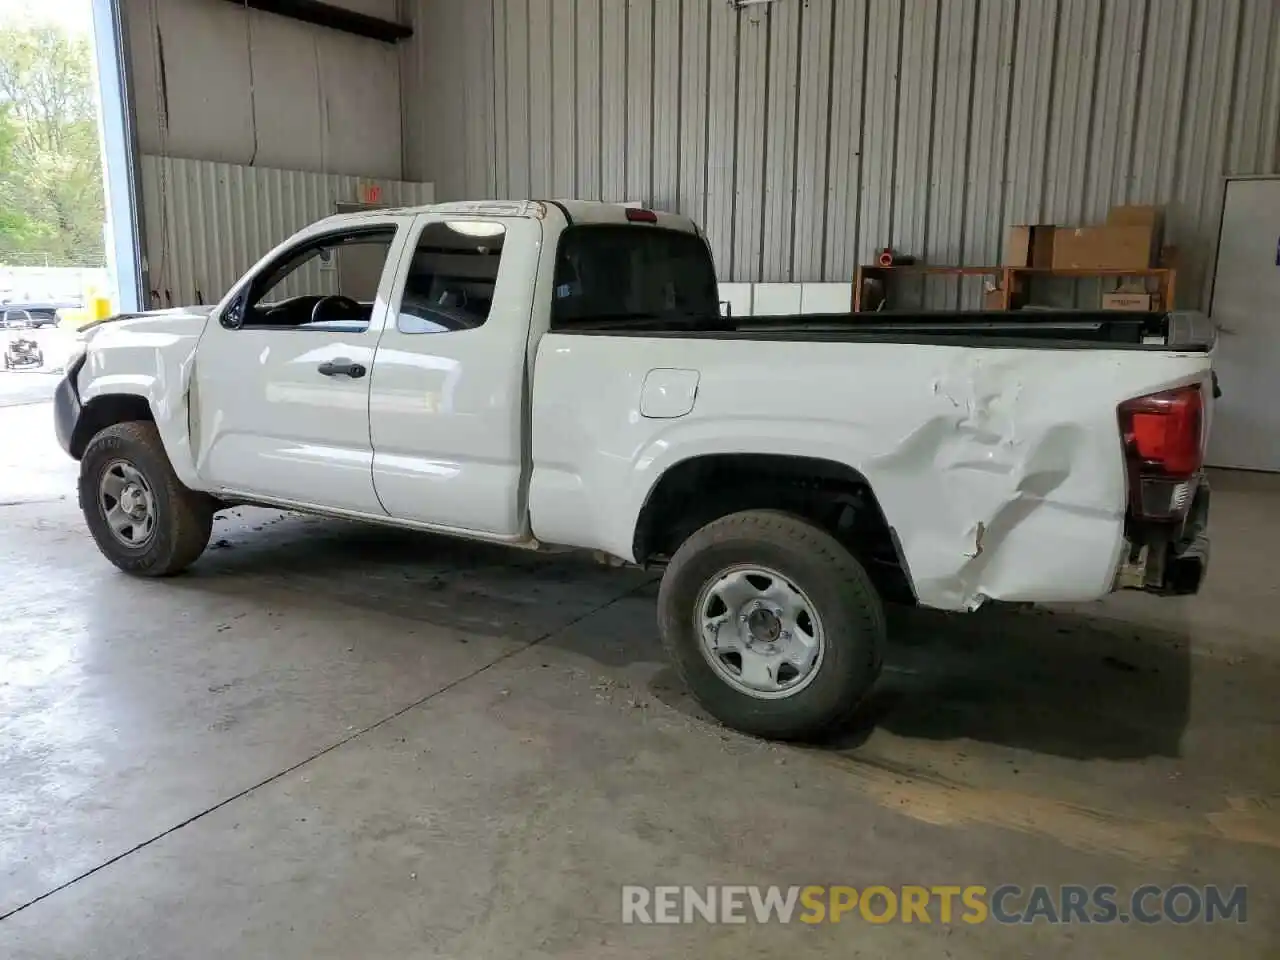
329	283
451	277
609	276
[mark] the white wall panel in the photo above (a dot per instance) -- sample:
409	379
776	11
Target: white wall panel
692	73
587	180
781	108
667	157
214	82
542	103
749	142
638	29
882	39
846	99
807	134
775	299
722	110
613	101
813	124
564	124
207	223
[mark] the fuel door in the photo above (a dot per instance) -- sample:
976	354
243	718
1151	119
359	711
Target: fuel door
668	393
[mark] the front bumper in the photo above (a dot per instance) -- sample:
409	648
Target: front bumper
1171	562
66	407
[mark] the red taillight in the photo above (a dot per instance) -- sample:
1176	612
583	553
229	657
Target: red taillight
1164	430
1163	436
636	215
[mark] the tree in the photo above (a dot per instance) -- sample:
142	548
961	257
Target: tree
51	197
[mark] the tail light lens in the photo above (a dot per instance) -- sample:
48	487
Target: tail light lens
1163	436
637	215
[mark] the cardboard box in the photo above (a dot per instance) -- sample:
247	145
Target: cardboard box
1141	302
1103	248
993	299
1030	245
1132	215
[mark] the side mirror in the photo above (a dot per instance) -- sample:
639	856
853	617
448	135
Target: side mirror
233	317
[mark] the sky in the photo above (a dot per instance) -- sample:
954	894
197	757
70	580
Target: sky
73	15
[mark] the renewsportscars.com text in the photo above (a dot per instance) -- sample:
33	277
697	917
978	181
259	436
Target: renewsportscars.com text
944	904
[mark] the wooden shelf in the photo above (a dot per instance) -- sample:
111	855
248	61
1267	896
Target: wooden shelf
924	270
928	268
1109	272
1165	277
1011	278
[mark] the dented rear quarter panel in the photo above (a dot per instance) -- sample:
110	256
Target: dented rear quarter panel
999	469
150	355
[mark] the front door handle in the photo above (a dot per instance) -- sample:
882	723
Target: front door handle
342	367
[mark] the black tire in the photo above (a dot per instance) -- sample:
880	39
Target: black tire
815	562
183	518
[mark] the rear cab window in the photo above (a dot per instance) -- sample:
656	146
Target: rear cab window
452	277
632	277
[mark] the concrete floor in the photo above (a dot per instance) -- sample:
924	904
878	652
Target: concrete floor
330	741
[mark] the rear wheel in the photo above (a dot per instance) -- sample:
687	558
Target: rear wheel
773	624
141	516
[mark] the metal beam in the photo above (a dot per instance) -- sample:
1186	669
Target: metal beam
336	18
120	157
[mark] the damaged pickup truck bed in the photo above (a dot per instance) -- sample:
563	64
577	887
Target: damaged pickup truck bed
559	374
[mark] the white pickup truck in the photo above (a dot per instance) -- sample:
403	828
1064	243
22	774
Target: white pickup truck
560	374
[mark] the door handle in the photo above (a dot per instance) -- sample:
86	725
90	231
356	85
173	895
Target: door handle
342	367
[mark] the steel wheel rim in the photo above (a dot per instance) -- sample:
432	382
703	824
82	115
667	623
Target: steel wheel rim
759	632
127	503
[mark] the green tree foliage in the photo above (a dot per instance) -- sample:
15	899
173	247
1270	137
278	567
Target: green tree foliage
51	197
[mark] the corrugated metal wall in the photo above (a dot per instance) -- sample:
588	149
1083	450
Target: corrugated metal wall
207	223
807	134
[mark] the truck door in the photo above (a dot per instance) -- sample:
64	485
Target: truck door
281	398
447	399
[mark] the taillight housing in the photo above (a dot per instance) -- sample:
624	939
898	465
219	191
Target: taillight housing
1163	437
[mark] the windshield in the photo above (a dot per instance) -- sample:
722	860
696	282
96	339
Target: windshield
608	275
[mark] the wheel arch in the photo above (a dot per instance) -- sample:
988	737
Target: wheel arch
838	498
106	410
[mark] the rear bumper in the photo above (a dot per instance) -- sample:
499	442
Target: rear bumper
66	408
1172	563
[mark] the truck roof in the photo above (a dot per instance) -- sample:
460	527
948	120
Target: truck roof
577	211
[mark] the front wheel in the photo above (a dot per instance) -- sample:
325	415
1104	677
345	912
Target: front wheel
141	516
772	623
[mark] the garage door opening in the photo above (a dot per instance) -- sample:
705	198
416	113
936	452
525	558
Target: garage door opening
56	243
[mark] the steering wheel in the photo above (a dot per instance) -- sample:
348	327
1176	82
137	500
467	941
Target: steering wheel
347	305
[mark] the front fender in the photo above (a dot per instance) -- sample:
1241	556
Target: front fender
152	358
